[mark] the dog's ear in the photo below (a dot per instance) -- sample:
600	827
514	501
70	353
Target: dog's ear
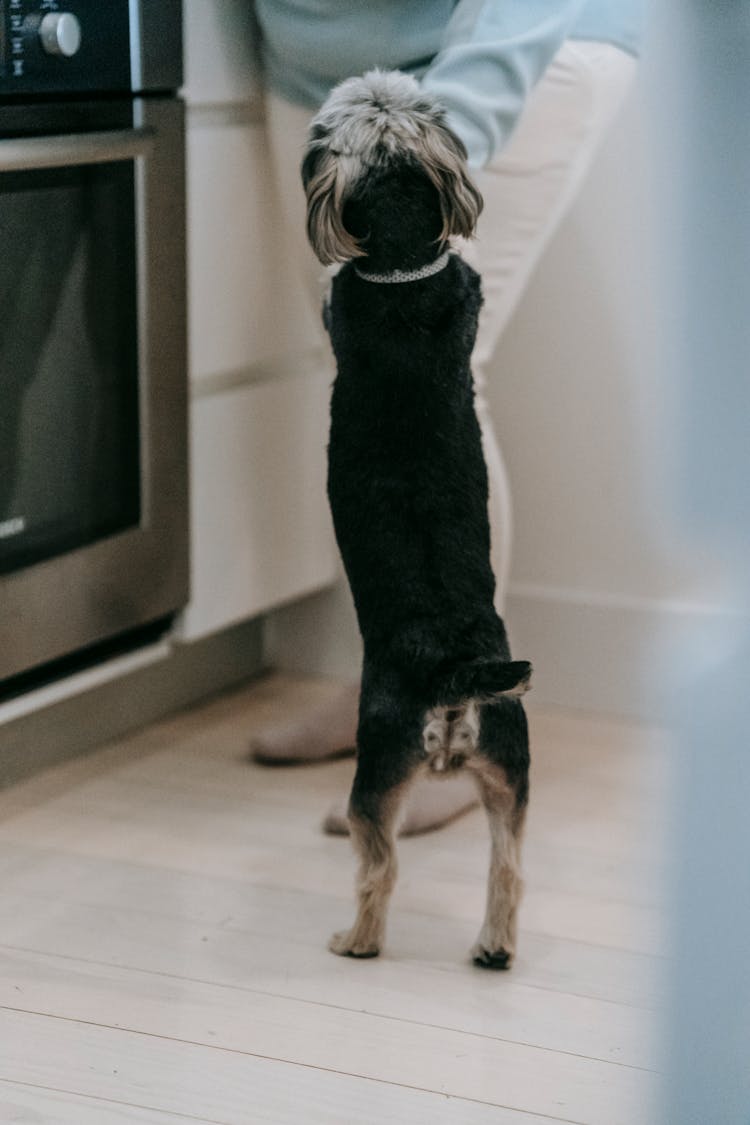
443	157
328	180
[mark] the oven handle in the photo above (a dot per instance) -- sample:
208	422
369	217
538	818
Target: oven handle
27	153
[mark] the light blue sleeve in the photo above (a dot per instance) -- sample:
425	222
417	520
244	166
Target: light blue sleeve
493	53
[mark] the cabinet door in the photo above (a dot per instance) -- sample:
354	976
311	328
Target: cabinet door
261	532
221	55
246	301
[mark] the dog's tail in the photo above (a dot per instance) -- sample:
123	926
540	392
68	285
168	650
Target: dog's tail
483	680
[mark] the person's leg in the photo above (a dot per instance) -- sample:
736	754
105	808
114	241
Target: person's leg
526	190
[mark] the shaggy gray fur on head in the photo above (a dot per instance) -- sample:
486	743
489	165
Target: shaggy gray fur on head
367	123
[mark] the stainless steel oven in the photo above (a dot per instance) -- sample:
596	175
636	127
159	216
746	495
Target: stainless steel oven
93	383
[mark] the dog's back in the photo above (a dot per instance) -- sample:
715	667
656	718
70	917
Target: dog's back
407	479
386	181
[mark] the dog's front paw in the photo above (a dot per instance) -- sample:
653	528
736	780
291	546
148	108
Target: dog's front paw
488	958
348	944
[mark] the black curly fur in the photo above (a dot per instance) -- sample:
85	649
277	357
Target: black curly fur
407	481
386	183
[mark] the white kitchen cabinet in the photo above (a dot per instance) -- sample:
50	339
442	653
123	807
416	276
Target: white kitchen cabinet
260	528
246	303
261	532
221	63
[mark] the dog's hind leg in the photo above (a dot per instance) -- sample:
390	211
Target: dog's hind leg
496	945
373	835
501	768
385	765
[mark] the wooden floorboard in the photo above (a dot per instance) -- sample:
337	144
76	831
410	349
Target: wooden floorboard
22	1104
166	904
215	1084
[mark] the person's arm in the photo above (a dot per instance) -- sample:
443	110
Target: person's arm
492	55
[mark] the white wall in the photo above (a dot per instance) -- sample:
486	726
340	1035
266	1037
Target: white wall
596	594
600	597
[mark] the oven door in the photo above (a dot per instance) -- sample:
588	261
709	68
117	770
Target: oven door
93	383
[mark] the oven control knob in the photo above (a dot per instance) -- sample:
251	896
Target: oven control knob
60	33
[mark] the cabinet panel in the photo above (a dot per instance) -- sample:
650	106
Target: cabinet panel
261	530
221	63
246	301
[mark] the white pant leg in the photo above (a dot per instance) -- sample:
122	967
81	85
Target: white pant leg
526	191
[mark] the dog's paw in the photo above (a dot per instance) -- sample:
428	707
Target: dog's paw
485	958
347	944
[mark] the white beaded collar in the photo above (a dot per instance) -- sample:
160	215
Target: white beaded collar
394	276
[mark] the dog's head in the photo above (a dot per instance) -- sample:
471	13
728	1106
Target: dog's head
382	165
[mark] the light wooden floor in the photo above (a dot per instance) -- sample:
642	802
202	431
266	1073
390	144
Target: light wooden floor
164	915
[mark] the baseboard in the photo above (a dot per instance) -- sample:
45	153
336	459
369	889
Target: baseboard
68	727
316	635
600	652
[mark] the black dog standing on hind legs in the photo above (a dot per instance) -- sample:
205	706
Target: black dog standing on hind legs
386	188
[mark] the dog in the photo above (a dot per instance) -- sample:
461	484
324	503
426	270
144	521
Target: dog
387	188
